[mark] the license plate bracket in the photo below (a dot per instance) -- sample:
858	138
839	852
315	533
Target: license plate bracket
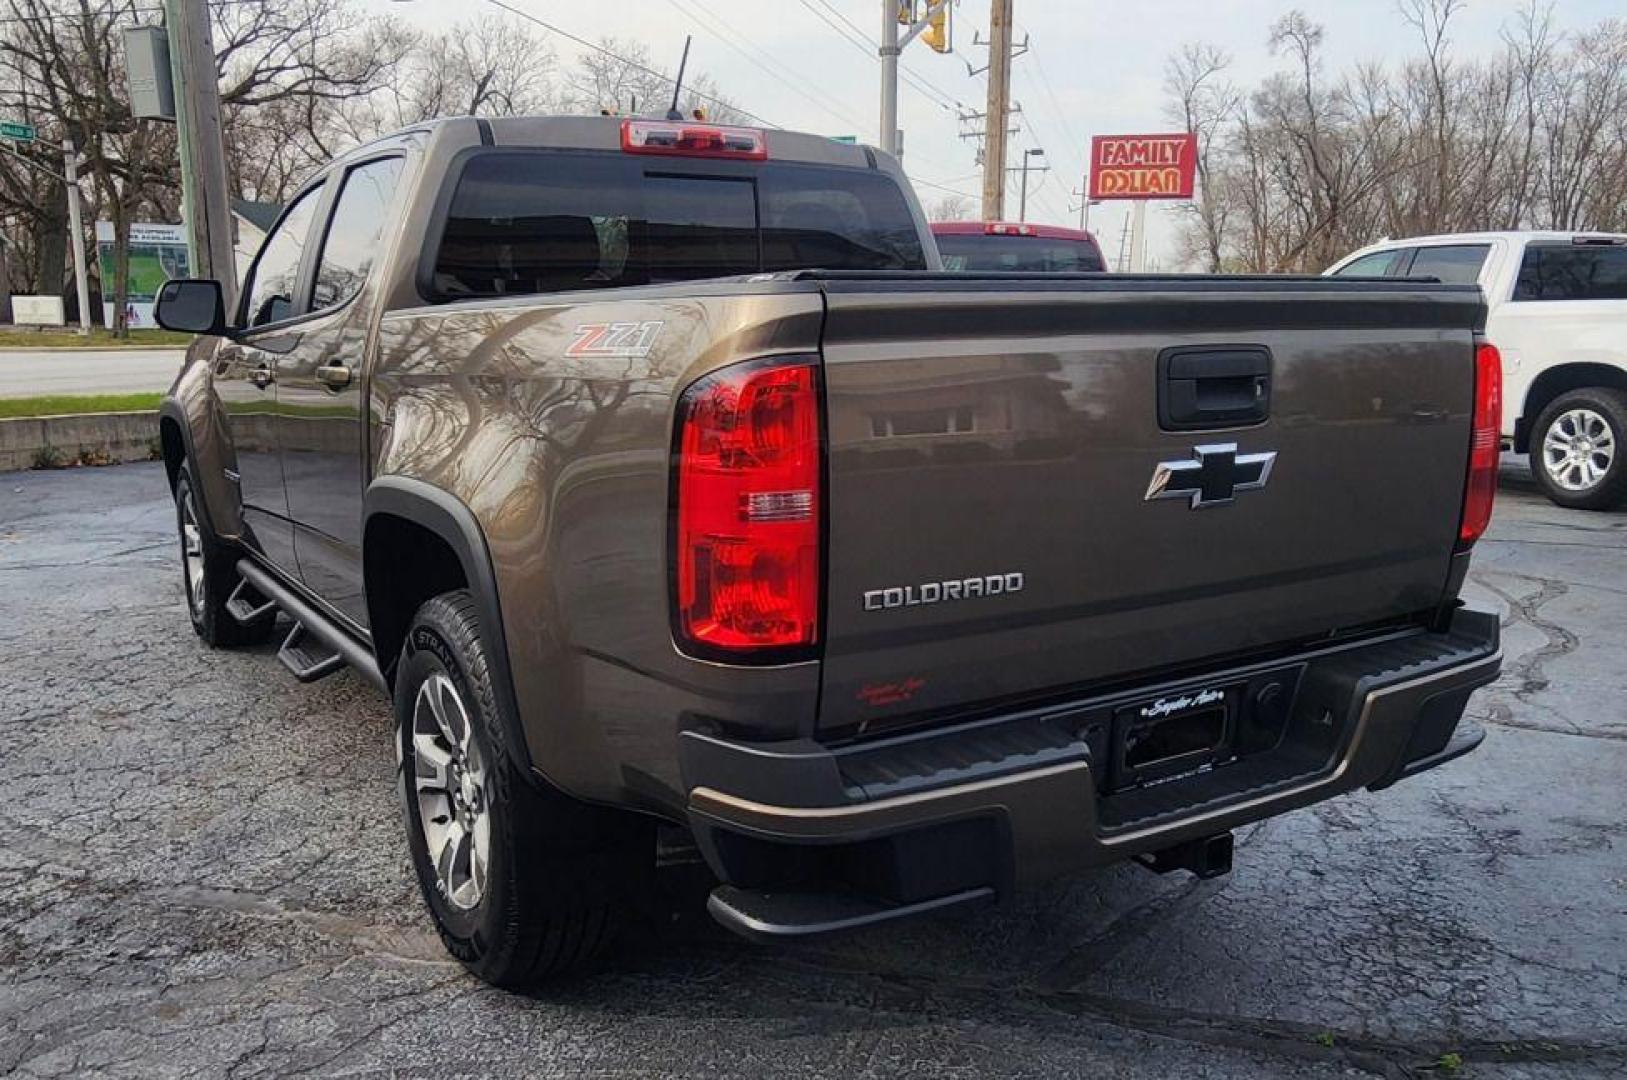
1174	735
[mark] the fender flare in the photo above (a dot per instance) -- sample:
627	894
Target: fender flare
448	518
171	409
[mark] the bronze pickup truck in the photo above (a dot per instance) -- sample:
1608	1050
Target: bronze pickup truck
676	495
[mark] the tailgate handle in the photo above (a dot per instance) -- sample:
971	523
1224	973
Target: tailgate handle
1213	386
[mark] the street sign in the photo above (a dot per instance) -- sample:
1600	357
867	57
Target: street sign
1143	166
10	129
849	139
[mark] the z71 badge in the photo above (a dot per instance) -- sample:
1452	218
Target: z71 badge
615	340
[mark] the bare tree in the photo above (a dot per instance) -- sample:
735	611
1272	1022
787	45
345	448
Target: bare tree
1202	102
1312	164
952	207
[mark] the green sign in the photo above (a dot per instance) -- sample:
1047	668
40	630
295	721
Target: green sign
849	139
10	129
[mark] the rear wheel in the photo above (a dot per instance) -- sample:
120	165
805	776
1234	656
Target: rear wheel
524	883
209	573
1579	449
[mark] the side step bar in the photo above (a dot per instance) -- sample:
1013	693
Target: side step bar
305	662
246	604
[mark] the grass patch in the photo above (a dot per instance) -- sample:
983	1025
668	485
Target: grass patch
73	404
98	338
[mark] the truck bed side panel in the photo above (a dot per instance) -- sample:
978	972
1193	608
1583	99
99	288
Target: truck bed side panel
565	461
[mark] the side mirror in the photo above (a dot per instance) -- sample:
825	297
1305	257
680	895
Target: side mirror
192	306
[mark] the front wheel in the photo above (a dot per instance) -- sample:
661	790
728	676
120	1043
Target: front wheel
209	573
1579	449
524	883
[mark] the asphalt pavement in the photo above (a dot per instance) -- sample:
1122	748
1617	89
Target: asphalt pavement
86	371
203	874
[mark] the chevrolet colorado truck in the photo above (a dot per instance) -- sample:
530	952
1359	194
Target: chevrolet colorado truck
674	494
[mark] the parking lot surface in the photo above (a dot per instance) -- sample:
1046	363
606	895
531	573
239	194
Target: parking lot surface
203	874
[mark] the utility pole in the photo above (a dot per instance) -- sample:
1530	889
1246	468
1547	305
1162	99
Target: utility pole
1022	205
889	76
1138	237
204	198
934	21
994	139
1085	203
76	230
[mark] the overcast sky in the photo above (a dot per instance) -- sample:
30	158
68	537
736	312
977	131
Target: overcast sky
1094	67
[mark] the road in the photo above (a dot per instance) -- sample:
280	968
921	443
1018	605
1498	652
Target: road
203	874
98	371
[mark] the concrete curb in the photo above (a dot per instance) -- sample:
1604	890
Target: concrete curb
98	437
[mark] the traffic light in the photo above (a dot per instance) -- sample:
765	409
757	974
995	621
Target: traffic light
936	35
906	12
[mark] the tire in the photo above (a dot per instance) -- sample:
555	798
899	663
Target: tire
1579	449
558	876
209	574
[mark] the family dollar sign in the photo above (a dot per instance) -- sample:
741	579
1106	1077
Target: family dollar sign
1143	166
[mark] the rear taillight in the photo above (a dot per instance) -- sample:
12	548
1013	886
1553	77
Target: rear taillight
1486	444
683	138
1006	228
748	487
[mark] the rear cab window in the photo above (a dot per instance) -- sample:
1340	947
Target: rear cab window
1580	271
539	221
1034	254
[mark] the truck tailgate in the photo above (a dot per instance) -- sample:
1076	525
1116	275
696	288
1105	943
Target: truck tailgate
993	445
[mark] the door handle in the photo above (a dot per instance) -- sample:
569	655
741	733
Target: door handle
333	376
262	377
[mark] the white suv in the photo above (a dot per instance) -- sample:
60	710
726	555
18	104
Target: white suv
1558	313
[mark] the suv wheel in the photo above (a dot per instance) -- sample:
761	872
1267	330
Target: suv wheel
1579	449
209	574
524	883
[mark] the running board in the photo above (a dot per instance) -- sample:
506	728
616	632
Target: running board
243	608
332	647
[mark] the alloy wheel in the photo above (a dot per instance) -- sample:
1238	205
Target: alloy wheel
192	555
449	778
1578	449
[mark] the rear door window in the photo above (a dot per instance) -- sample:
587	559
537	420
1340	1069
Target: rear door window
1576	272
1455	264
1377	264
557	221
354	231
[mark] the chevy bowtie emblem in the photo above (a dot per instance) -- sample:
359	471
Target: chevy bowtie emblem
1217	473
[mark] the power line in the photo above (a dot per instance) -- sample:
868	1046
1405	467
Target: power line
861	41
709	21
668	79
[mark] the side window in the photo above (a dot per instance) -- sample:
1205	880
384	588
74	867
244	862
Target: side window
1378	264
275	275
1455	264
1583	272
353	233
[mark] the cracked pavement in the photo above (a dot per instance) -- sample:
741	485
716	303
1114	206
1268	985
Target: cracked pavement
203	874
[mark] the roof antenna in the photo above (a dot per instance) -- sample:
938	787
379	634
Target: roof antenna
678	83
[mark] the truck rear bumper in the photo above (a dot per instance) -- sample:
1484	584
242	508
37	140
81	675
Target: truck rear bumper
809	838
